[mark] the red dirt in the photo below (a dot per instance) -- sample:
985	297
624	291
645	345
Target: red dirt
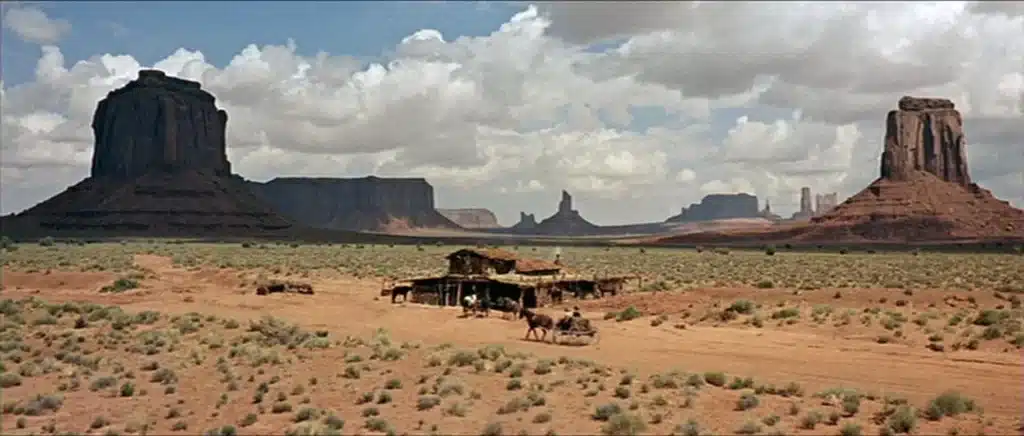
841	355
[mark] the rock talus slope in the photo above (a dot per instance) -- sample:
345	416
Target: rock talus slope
472	218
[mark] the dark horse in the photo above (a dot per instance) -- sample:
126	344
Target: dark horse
400	290
506	306
537	321
555	294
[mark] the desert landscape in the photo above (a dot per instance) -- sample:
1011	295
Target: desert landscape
166	294
151	337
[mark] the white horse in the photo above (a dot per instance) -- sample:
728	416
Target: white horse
469	304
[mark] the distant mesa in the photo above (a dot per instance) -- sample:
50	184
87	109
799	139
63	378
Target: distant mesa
357	204
821	205
527	221
159	167
472	218
767	213
719	207
566	221
924	192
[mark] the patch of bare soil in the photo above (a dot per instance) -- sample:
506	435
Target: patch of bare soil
377	367
92	280
935	320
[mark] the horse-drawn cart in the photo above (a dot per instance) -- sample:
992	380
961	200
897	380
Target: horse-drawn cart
578	330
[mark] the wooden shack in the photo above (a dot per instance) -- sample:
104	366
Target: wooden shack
485	261
448	290
494	273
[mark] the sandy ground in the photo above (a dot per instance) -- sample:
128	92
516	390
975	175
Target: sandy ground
819	356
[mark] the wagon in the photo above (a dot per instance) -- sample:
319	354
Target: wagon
575	332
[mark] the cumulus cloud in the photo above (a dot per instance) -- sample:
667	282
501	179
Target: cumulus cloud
680	100
33	25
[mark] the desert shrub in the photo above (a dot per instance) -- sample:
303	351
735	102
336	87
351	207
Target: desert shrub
690	428
42	404
902	420
463	358
306	414
602	413
9	380
749	427
120	285
630	313
747	401
624	424
851	404
850	429
715	378
745	307
426	402
492	429
810	420
789	312
991	317
949	403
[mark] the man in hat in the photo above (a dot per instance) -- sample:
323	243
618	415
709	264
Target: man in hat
566	320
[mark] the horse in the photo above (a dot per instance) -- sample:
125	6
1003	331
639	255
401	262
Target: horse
400	290
506	306
555	294
469	304
537	321
581	291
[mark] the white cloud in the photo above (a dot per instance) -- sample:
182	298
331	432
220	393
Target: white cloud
33	25
755	97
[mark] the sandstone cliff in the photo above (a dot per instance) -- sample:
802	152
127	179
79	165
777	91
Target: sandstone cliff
471	218
159	167
719	206
158	122
362	204
925	135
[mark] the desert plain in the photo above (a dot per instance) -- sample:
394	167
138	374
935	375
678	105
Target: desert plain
153	337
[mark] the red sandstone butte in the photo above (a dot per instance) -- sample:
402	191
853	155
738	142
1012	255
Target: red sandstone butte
924	191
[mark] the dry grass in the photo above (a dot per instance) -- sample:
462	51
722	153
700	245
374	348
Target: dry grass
662	269
70	367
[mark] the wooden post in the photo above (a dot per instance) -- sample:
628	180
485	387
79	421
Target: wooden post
458	294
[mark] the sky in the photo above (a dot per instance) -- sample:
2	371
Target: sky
636	109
